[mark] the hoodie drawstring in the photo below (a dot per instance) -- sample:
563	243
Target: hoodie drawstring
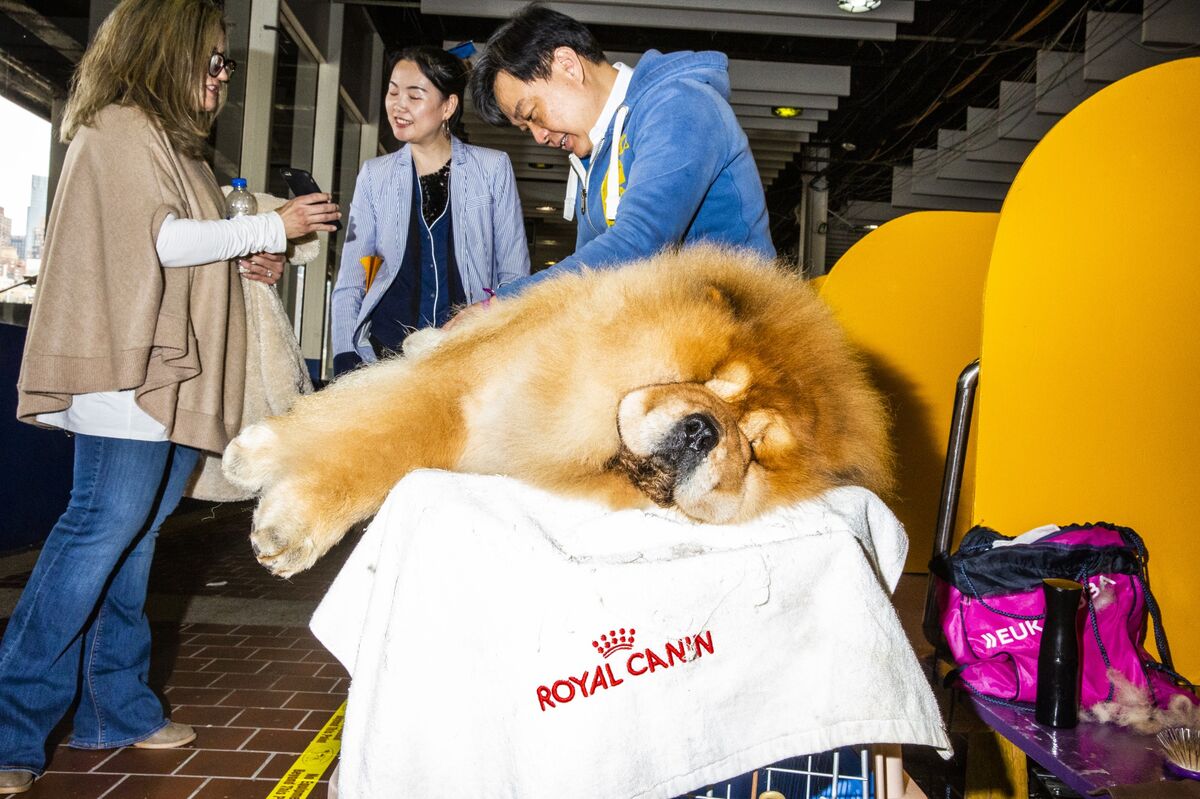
613	197
576	169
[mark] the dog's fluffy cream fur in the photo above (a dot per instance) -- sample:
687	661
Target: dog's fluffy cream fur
1132	707
706	380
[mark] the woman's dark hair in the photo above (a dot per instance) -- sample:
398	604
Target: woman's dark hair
447	73
524	48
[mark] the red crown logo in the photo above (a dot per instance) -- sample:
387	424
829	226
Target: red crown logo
614	641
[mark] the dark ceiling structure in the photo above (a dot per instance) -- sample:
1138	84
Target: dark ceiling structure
33	69
954	54
914	67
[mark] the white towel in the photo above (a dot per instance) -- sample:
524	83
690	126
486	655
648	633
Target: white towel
471	602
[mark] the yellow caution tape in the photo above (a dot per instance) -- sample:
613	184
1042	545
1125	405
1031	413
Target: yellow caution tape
302	777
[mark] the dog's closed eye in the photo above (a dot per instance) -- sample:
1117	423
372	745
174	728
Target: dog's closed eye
730	381
755	424
765	431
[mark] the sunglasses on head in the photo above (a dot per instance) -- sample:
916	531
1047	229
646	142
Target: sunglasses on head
218	62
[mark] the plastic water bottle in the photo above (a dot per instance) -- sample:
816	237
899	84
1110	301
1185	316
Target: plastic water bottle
239	202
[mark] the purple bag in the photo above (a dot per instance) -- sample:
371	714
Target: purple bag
991	605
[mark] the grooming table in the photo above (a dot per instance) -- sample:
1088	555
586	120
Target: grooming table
513	643
1087	758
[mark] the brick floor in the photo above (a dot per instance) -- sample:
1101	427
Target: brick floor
256	693
246	738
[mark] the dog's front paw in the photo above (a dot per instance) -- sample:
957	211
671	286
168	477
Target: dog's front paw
249	460
291	532
282	552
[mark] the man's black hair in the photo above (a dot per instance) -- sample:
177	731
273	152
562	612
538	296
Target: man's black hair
524	48
446	71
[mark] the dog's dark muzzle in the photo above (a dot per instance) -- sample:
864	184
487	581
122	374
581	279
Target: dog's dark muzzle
678	454
689	441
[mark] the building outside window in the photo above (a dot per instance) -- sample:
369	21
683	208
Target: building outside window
24	165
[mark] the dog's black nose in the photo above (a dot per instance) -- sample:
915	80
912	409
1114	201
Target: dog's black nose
687	444
699	433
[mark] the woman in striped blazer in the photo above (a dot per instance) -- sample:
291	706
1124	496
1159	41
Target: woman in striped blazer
444	216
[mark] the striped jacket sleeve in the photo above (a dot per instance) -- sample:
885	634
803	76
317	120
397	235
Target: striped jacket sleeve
350	287
508	226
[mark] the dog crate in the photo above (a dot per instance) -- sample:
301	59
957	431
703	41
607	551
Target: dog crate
847	773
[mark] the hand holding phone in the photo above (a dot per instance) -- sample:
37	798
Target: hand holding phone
319	212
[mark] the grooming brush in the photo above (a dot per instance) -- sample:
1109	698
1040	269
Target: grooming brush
1181	745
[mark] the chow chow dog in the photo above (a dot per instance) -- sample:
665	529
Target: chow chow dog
706	380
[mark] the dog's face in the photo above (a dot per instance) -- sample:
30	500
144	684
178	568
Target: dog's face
700	447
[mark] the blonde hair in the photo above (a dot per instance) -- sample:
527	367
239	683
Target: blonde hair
152	55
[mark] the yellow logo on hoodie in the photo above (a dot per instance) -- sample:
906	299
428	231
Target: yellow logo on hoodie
621	148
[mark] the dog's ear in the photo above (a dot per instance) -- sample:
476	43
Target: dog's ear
724	297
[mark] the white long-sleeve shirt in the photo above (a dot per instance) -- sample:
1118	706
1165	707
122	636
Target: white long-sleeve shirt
180	242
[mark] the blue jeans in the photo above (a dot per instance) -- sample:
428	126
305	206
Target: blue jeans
80	628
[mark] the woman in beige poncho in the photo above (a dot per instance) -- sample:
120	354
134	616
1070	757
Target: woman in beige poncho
136	345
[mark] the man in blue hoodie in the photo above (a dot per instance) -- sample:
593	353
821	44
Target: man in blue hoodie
657	155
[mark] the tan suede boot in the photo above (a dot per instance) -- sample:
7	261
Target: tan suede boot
15	782
169	737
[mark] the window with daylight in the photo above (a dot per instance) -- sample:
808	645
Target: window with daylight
24	166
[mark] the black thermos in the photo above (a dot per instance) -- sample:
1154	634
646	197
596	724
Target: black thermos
1057	703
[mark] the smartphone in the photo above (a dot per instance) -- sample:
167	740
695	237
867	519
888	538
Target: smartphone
301	182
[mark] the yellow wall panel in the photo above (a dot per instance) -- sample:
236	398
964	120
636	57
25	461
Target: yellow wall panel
1090	382
910	296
